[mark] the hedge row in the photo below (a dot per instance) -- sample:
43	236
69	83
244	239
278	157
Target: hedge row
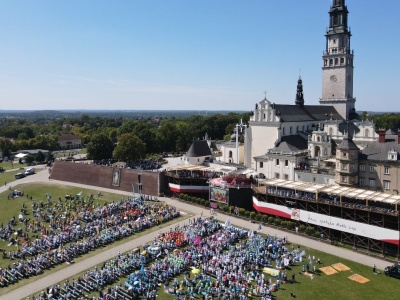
256	216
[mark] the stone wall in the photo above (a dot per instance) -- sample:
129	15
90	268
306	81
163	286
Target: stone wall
103	176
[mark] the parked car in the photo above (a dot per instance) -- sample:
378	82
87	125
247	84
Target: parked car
29	171
393	271
19	175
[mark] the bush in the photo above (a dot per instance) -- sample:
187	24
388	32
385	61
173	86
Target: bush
264	218
259	217
284	224
302	228
290	225
309	230
252	215
277	222
271	220
242	211
247	214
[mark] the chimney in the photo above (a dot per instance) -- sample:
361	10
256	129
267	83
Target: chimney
381	133
398	136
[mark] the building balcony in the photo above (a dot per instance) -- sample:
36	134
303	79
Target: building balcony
337	50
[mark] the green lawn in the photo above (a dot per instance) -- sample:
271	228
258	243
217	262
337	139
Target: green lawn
7	177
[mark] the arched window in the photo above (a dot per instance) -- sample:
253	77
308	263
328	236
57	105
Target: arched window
283	130
341	60
330	61
230	154
366	133
318	139
330	131
290	130
336	61
325	62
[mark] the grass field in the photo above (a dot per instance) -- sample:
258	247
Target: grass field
327	287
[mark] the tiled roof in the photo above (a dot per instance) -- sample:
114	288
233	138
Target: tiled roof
293	113
379	151
67	137
347	144
198	149
291	143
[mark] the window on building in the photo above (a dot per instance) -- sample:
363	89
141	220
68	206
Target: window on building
371	183
277	175
372	169
336	61
386	170
277	161
386	185
290	130
344	154
362	168
314	179
286	163
331	62
344	167
362	181
352	168
341	60
366	133
286	177
261	164
344	179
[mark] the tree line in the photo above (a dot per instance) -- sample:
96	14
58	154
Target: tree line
123	139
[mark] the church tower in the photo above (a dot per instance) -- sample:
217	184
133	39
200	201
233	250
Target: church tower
337	63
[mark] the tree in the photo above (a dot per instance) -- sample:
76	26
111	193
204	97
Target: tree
129	148
100	147
40	157
6	146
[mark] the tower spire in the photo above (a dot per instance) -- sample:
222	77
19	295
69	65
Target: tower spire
337	62
299	94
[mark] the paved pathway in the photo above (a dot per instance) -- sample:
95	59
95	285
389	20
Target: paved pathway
71	270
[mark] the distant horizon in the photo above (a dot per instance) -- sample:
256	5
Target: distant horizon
156	110
201	55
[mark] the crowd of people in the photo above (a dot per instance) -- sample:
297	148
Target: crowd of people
141	164
215	261
72	228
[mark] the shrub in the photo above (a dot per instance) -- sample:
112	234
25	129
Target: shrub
290	225
264	218
259	217
309	230
252	215
277	222
271	220
302	228
242	211
247	214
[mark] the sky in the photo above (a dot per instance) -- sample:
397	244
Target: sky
187	55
